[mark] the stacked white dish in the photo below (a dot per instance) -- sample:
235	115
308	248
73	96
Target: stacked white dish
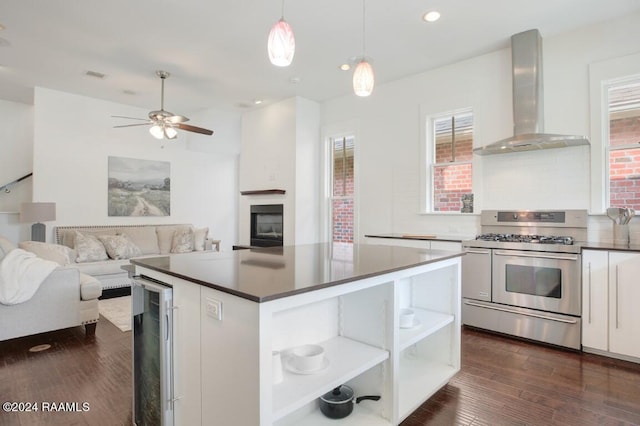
307	359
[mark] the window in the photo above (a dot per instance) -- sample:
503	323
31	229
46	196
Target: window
624	144
451	161
342	189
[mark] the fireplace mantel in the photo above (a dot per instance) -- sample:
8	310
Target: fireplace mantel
263	192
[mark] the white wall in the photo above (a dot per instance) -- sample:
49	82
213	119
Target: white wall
74	136
280	150
391	131
16	152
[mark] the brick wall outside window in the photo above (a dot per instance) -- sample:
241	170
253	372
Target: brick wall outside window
343	208
624	164
451	181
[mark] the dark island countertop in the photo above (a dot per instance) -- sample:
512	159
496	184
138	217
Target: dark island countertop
271	273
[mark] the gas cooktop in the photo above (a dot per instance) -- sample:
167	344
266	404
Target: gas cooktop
520	238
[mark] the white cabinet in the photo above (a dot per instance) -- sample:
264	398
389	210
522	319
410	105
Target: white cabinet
224	366
624	295
610	314
595	298
408	242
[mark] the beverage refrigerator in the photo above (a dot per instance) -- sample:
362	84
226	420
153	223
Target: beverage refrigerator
152	325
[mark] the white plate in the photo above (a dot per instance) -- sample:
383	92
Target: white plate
416	322
289	366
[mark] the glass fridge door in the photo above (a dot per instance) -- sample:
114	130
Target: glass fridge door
152	349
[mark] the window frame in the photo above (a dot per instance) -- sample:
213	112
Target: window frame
602	74
430	158
328	134
606	141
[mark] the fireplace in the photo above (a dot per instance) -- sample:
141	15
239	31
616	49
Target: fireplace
266	225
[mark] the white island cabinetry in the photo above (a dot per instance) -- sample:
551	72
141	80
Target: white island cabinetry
356	322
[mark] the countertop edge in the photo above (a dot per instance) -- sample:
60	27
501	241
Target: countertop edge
140	262
416	238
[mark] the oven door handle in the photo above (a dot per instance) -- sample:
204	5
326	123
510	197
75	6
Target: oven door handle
542	255
513	311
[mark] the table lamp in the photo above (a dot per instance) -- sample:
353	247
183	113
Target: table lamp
38	212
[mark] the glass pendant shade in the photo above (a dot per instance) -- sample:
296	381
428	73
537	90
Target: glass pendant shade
281	45
363	79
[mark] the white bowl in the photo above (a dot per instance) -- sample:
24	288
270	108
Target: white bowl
406	318
307	357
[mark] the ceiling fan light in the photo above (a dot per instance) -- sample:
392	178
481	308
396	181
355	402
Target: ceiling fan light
281	45
363	79
170	132
157	131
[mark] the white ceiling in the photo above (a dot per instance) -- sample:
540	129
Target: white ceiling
216	49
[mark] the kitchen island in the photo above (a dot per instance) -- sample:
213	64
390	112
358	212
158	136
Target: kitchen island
233	309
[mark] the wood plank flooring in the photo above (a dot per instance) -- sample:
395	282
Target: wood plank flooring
502	382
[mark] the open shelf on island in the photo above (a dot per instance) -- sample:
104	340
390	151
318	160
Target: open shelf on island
418	375
347	359
429	323
360	416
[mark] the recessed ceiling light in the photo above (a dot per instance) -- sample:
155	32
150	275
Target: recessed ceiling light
257	101
431	16
345	67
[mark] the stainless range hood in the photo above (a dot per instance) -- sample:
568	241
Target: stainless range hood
528	105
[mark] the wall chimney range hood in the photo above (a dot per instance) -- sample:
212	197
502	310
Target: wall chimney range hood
528	105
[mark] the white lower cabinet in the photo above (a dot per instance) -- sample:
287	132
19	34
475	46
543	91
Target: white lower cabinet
358	326
425	244
595	299
624	295
610	314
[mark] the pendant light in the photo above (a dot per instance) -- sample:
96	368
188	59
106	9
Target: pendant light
363	77
282	44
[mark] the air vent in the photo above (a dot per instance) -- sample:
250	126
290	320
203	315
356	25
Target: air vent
95	74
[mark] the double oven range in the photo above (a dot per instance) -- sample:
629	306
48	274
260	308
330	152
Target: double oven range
522	275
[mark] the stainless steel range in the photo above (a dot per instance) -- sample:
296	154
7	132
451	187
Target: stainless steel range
522	275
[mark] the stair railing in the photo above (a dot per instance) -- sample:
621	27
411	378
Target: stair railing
7	186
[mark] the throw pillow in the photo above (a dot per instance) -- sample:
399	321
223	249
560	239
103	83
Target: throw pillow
89	248
200	238
119	246
58	253
182	241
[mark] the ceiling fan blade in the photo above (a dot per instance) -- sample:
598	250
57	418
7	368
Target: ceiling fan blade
194	129
130	118
132	125
174	119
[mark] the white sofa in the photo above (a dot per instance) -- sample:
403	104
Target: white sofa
150	240
66	298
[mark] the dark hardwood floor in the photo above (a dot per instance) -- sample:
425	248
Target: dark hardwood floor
502	382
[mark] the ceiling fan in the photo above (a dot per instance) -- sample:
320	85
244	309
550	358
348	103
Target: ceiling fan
164	123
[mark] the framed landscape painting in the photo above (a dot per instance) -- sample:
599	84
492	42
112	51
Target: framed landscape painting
139	187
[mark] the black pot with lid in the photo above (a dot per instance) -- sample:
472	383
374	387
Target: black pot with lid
338	403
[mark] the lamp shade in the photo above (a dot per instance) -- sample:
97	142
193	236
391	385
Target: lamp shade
281	45
363	79
37	212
